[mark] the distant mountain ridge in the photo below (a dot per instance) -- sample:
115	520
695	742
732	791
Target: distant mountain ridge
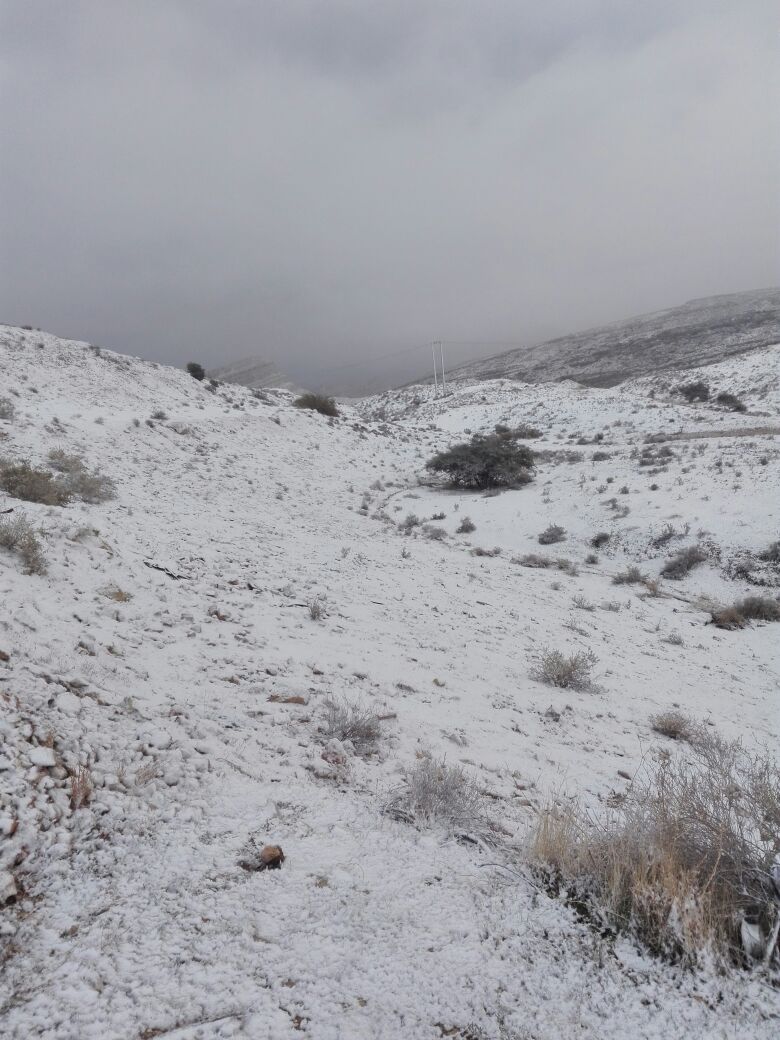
699	332
253	372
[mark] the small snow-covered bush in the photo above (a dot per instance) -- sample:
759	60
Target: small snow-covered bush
317	403
410	521
352	721
467	525
600	539
60	461
81	482
683	562
686	861
552	534
485	462
7	410
672	724
630	576
568	673
437	793
91	486
434	533
18	535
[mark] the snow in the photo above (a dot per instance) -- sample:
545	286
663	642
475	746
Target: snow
196	698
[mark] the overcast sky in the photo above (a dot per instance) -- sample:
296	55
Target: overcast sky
322	181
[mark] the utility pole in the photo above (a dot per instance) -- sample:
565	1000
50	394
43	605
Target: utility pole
435	378
441	354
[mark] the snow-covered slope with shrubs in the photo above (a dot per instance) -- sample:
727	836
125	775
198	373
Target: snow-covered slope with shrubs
173	691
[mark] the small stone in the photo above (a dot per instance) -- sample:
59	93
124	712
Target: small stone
42	757
270	857
8	891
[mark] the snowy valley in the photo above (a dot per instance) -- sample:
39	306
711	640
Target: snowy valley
175	681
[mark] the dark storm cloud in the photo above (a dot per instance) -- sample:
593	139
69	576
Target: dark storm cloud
318	181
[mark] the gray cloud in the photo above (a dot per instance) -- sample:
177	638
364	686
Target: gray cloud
319	182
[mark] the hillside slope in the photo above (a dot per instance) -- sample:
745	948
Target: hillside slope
699	332
182	649
254	373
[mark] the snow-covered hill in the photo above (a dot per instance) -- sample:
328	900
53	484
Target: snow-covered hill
253	372
180	652
699	332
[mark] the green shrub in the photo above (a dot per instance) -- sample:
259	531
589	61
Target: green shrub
485	462
196	371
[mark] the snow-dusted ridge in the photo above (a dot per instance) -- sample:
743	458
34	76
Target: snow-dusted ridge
195	700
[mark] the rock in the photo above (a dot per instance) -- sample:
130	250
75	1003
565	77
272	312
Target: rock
270	857
4	657
8	890
42	757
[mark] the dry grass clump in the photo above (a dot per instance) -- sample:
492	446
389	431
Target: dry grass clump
552	534
540	562
685	863
90	486
317	403
682	562
7	410
73	480
672	724
751	608
23	481
759	608
435	793
81	788
351	721
568	673
60	461
771	554
466	526
116	594
630	576
18	535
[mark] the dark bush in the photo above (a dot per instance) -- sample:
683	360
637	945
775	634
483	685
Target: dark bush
698	391
731	401
600	539
466	526
485	462
772	554
551	535
317	403
683	562
196	371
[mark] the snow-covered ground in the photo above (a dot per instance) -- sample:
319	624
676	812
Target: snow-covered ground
170	649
